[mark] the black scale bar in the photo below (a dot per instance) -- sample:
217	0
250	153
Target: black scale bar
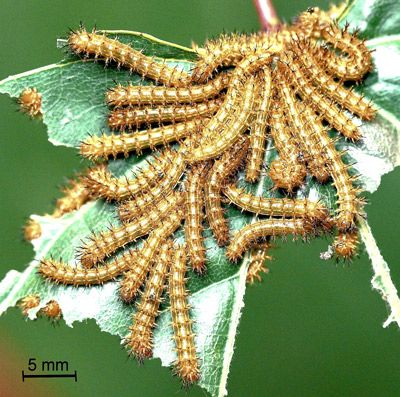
31	376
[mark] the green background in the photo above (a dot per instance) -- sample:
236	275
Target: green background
311	328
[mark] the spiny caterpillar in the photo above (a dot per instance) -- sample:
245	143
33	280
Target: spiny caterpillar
140	338
111	50
251	233
105	146
75	194
186	365
258	128
30	102
32	230
61	273
130	118
203	127
289	171
103	184
195	215
315	212
227	165
51	310
258	257
28	302
345	244
131	95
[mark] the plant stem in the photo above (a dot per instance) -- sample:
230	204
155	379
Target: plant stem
267	14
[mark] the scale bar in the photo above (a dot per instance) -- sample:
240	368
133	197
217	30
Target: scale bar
31	376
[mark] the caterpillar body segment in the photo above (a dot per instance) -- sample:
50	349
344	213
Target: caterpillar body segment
140	339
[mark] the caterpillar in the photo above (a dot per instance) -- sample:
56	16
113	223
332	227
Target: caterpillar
134	278
358	60
316	163
130	95
231	131
243	89
139	341
101	183
30	101
227	50
194	216
315	212
142	203
75	196
258	127
305	54
289	171
146	199
102	245
28	302
102	47
258	257
296	78
32	230
51	310
97	147
251	233
312	22
186	365
345	244
130	118
228	164
349	206
61	273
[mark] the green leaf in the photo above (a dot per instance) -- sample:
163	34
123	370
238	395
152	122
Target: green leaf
376	18
73	107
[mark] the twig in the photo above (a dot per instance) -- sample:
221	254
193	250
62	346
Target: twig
267	14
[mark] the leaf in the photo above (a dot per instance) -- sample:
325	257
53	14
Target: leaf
70	116
73	107
379	24
376	18
73	91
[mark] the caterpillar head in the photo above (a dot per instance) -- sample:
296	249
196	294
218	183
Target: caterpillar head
286	175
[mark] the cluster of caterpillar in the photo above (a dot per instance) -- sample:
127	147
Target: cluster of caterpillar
287	84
